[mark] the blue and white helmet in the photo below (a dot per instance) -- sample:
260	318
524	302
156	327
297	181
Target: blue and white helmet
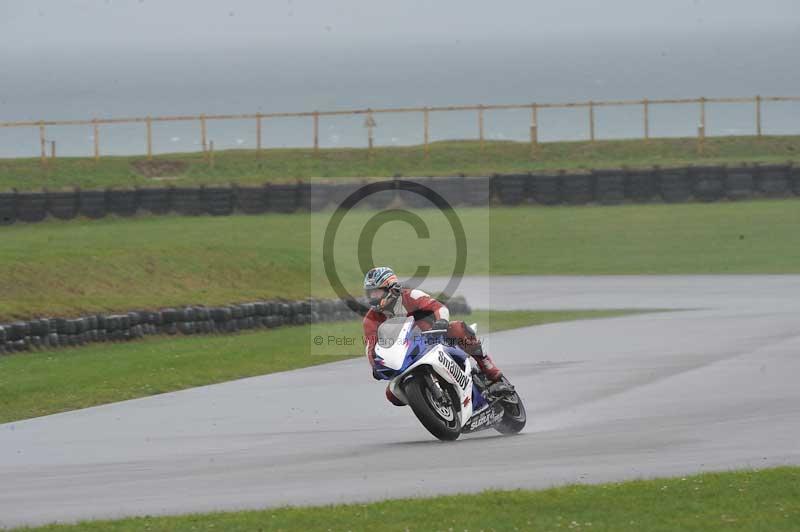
382	278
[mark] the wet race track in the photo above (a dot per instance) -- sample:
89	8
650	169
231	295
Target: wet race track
711	386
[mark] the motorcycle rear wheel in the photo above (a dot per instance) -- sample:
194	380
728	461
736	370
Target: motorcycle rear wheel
441	420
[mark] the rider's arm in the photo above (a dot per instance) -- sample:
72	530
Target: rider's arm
371	321
420	301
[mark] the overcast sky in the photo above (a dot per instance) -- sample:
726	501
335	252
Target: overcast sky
64	25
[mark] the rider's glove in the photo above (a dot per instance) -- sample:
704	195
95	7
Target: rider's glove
440	325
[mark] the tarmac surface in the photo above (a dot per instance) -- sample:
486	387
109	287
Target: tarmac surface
713	386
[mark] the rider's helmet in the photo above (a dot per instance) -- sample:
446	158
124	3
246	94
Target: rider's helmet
381	288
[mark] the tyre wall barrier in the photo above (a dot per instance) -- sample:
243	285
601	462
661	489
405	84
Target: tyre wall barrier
607	187
673	185
219	201
122	202
155	200
8	208
188	201
708	182
283	198
31	206
511	189
476	191
641	186
577	189
63	205
50	333
774	181
546	189
740	183
794	176
92	203
251	200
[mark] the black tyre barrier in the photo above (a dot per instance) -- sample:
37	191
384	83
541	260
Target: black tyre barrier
609	186
93	203
282	198
340	191
794	177
547	189
739	182
122	202
315	197
708	182
51	333
773	180
451	189
31	206
218	200
62	205
673	184
416	196
511	189
188	201
641	186
251	200
8	208
155	200
476	191
577	189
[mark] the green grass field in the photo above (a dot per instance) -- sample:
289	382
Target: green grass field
446	158
767	501
69	268
47	382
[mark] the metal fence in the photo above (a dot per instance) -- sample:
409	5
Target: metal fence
369	123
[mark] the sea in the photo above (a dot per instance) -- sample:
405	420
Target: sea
82	84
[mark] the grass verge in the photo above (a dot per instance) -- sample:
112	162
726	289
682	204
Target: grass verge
69	268
446	158
767	500
48	382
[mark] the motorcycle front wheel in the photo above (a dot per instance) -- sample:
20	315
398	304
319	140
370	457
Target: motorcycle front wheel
442	418
514	416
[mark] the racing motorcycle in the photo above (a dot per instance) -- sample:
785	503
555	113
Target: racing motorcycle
437	380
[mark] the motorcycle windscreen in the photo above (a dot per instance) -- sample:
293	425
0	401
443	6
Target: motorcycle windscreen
394	341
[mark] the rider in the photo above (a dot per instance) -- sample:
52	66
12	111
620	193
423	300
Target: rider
388	299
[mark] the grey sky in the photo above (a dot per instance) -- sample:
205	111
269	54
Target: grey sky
61	25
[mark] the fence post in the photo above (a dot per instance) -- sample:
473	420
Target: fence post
591	121
96	134
534	129
480	125
316	132
646	112
53	150
149	123
370	123
211	154
42	143
703	112
426	133
258	135
203	134
701	129
758	115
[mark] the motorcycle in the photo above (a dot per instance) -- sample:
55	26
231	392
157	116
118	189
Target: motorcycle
438	381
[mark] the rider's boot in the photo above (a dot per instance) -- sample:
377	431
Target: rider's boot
487	366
